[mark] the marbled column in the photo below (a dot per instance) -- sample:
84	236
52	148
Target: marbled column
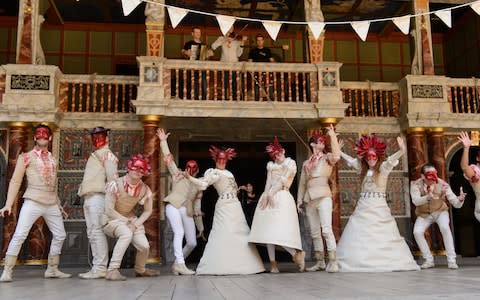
416	159
151	147
436	156
335	187
18	142
25	49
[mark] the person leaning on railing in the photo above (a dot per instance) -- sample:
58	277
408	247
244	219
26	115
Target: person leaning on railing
261	54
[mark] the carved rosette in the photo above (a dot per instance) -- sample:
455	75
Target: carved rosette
151	146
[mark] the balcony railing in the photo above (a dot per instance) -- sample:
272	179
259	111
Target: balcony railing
464	95
371	99
281	82
102	94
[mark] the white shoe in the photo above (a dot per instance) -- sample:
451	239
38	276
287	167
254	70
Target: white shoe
427	264
93	274
452	265
181	269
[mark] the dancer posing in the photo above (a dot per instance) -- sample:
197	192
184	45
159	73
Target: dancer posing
276	221
101	168
371	241
314	191
227	250
429	194
123	195
471	172
41	200
184	204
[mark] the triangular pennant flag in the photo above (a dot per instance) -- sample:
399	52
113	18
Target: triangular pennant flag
476	7
316	28
361	28
176	15
272	28
445	16
225	22
403	23
129	5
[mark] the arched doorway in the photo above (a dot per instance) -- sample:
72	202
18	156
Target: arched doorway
248	167
466	227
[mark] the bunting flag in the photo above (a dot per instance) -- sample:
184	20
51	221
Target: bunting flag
445	16
361	28
129	5
176	15
476	7
272	28
403	23
225	22
316	28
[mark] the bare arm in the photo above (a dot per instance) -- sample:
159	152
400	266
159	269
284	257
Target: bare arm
467	142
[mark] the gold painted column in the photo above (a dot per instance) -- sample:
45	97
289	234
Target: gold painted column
334	186
151	148
17	143
155	23
436	155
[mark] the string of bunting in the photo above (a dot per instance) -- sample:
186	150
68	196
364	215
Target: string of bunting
273	27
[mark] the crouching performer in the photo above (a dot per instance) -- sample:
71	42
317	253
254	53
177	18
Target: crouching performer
122	196
41	200
183	208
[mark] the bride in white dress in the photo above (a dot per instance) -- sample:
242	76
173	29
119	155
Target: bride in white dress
227	250
371	241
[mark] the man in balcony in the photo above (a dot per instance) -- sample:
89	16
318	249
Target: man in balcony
429	194
262	80
101	168
196	50
122	196
40	200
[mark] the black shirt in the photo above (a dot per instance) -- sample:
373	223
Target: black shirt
260	55
188	45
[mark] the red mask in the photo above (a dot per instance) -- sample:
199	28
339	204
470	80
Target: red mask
42	133
139	163
431	175
371	155
192	167
99	140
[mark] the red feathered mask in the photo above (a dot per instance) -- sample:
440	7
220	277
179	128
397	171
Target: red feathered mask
222	154
369	144
273	149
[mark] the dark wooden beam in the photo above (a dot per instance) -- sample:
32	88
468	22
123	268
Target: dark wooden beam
253	8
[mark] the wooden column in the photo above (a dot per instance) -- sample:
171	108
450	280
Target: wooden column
436	155
151	147
17	143
422	63
313	13
416	139
155	23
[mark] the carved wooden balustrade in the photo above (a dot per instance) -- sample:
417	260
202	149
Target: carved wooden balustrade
464	95
96	93
243	81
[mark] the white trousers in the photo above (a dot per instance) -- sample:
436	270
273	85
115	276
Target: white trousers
319	215
93	209
182	226
29	213
125	237
443	221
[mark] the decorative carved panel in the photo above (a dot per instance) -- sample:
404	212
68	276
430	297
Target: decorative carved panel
427	91
30	82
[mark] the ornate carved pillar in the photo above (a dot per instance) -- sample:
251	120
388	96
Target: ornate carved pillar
18	143
422	63
155	22
436	155
416	159
151	147
28	24
335	187
313	13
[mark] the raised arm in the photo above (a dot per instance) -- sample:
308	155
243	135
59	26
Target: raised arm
334	156
352	162
167	156
467	142
388	165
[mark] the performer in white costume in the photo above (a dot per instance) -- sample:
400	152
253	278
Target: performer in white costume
121	200
41	200
227	251
429	194
471	172
371	241
101	168
314	191
183	210
276	221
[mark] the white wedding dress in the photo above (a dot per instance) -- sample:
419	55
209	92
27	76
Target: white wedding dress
227	250
371	241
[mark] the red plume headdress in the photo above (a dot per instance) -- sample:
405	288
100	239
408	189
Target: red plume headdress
217	153
370	143
317	136
274	148
141	163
